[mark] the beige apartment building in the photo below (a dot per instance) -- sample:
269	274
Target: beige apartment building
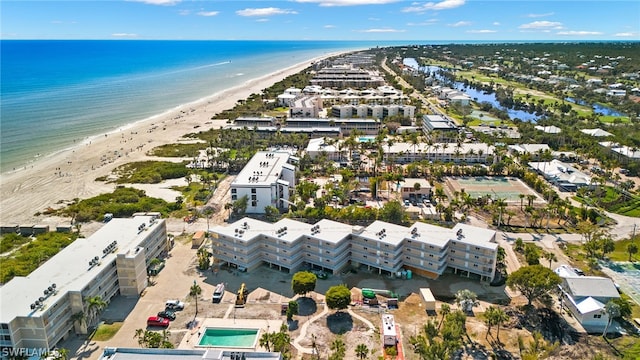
37	310
427	250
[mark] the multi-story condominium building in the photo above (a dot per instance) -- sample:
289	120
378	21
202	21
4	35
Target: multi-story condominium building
372	111
426	249
38	310
346	76
436	122
346	125
266	180
469	153
305	107
269	131
251	122
405	153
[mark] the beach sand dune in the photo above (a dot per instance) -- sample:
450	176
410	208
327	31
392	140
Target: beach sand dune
71	174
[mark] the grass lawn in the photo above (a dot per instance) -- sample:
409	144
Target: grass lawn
105	332
620	253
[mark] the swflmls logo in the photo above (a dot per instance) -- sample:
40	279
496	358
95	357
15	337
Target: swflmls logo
23	352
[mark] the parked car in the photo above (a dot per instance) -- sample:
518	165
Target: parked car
174	305
167	314
407	203
157	321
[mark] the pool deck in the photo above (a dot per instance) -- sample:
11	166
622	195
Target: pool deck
192	337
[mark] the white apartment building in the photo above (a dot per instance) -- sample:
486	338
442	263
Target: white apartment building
346	76
425	249
372	111
266	180
37	309
305	107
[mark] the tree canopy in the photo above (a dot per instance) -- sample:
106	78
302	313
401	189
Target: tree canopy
533	281
338	297
303	282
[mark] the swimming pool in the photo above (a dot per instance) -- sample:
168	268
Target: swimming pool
229	338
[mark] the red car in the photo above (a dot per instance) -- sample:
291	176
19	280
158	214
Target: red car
157	321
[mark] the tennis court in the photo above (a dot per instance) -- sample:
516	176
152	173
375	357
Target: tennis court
502	187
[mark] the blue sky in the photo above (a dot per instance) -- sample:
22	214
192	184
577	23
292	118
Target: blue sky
322	20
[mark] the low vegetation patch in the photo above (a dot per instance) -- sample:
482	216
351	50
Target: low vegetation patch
105	332
150	172
122	202
26	259
11	241
178	150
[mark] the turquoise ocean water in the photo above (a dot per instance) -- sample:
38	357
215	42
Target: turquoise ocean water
55	93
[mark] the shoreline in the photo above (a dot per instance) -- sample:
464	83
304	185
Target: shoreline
70	173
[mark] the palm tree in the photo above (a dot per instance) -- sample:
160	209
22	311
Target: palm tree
466	300
194	291
362	351
266	340
498	317
550	256
338	347
139	334
612	309
94	305
79	318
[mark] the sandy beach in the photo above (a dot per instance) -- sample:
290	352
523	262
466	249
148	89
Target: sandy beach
71	173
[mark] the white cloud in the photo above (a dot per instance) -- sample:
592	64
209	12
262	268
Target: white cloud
495	23
184	12
483	31
374	19
579	33
347	2
386	30
262	20
63	22
124	35
460	23
542	25
538	15
625	34
329	26
158	2
424	23
442	5
208	13
265	11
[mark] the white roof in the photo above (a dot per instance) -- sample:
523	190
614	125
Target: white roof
589	305
565	271
431	234
596	132
69	269
332	231
410	182
529	148
549	129
385	232
595	286
318	144
263	169
475	236
561	172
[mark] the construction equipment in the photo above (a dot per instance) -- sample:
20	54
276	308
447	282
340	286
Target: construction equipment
242	296
371	293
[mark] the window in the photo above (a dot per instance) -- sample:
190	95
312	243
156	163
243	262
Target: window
234	197
597	316
254	197
407	257
477	248
366	248
453	251
234	191
253	191
254	203
364	256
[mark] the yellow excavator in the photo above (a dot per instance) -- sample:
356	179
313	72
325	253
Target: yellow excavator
242	296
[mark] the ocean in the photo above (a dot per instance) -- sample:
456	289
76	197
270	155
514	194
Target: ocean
56	93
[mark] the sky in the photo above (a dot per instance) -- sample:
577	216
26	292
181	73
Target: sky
370	20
